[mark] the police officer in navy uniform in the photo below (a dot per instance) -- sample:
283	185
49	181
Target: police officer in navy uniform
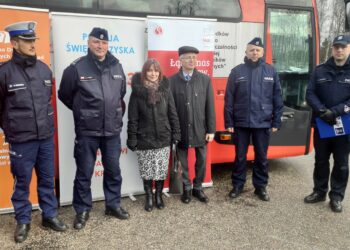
253	108
26	116
328	94
93	87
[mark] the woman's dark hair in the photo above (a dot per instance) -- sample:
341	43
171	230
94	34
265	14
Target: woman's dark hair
147	65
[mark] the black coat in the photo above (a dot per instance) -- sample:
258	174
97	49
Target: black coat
253	97
151	126
329	87
95	95
25	100
195	107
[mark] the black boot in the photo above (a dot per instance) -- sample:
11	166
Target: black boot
159	191
147	185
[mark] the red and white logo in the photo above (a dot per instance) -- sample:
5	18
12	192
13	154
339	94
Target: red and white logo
158	30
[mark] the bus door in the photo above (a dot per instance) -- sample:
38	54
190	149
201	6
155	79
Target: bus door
290	48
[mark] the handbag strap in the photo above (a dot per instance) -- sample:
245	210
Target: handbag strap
175	156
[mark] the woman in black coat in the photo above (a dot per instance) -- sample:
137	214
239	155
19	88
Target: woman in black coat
153	125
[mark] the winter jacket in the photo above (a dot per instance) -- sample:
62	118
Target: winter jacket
253	97
95	95
151	126
329	88
25	99
194	102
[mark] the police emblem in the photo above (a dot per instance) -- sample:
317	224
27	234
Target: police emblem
31	25
257	43
101	36
346	109
340	37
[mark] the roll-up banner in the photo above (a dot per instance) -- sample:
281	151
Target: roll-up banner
126	42
8	16
165	36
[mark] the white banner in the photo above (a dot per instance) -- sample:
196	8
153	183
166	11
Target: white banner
230	43
165	36
170	34
126	41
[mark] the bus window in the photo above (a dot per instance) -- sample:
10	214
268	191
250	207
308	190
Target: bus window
193	8
290	35
347	15
222	10
70	3
66	5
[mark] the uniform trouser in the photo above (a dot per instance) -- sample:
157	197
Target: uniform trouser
37	154
340	148
260	138
85	151
200	166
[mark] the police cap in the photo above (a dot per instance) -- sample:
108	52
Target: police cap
341	40
257	42
188	49
23	30
99	33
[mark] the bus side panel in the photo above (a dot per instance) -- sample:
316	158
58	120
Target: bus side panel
219	86
253	11
226	153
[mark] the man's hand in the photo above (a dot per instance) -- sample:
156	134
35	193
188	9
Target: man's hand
231	130
274	130
209	137
328	116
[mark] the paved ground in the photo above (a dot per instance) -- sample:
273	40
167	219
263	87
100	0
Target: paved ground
247	223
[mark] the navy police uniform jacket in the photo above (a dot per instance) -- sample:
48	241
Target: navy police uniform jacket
94	92
253	96
329	88
25	99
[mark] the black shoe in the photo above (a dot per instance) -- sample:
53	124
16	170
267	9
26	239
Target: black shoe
186	196
200	195
118	213
158	196
81	219
336	206
55	224
21	232
262	194
235	192
315	197
147	185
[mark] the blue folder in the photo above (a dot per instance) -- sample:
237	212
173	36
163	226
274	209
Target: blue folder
341	128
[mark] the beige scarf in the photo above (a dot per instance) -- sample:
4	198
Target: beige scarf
153	94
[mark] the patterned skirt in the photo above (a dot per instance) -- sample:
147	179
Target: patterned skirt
153	163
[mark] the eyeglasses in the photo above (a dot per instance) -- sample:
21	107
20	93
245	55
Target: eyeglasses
189	58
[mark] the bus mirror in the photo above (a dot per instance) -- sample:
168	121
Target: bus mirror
347	16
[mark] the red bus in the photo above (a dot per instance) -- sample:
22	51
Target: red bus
292	45
290	32
291	37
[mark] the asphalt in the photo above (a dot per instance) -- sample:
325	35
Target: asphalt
245	223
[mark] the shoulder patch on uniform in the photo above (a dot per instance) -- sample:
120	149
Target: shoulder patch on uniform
76	60
322	64
117	77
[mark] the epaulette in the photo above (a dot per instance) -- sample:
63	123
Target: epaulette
76	61
322	64
3	63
